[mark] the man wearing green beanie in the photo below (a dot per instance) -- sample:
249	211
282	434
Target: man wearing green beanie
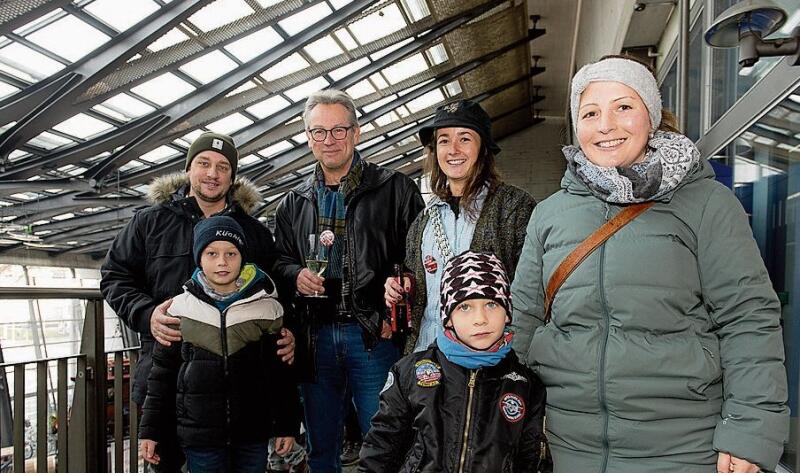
151	258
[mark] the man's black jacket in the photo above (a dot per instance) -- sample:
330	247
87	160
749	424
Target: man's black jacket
430	419
151	257
379	214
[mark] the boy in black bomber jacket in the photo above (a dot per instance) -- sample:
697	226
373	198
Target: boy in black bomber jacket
222	387
466	403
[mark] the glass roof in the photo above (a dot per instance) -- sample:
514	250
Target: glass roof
173	71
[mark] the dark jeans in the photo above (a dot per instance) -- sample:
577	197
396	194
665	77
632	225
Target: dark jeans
343	365
249	458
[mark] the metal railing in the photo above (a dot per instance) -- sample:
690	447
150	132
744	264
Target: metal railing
82	441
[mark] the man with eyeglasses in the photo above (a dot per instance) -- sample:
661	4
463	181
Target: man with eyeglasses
358	214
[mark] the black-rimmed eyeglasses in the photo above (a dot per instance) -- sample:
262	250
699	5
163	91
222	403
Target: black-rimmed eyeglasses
320	134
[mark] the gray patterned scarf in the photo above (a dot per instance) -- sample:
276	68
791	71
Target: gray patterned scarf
669	158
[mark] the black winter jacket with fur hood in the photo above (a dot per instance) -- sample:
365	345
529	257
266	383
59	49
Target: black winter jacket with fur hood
151	257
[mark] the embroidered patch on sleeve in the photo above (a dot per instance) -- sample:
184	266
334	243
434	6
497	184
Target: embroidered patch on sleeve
389	382
512	407
428	373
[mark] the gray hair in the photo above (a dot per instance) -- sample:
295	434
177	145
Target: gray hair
331	97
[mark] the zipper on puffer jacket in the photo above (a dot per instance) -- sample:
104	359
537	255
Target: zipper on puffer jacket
601	366
468	421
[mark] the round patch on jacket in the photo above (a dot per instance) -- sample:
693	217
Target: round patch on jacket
512	407
430	264
428	373
326	238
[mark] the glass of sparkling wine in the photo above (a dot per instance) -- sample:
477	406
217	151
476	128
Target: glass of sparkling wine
317	259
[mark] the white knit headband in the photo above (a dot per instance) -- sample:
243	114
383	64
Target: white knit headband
631	73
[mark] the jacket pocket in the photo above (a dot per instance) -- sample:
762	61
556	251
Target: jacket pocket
708	351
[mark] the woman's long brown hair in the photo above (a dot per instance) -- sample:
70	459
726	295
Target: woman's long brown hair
484	172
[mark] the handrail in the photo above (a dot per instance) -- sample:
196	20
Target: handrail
49	293
11	364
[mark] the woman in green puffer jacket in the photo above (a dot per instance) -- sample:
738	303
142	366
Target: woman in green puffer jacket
664	352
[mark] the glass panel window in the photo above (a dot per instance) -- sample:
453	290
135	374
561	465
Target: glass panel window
219	13
254	44
121	19
669	89
302	91
323	48
229	124
416	9
696	45
278	147
163	89
405	69
69	37
348	69
209	66
172	37
7	89
82	126
159	155
381	23
361	89
269	106
763	166
305	18
34	65
128	106
346	38
290	65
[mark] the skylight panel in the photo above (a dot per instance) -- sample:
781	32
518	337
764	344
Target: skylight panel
220	13
254	44
268	107
402	111
249	159
229	124
323	48
437	54
431	98
386	119
163	89
209	66
349	68
276	148
128	106
82	126
381	23
305	18
346	38
192	135
390	49
170	38
379	81
453	88
290	65
44	19
302	91
131	165
367	128
69	37
24	59
121	19
77	171
49	141
300	138
378	103
268	3
110	112
159	155
338	4
16	155
361	89
6	89
406	68
416	9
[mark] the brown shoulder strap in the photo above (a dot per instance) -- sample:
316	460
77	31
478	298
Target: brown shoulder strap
587	246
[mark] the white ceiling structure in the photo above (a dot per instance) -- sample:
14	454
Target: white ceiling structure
97	99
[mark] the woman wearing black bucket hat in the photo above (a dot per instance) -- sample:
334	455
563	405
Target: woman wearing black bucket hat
471	208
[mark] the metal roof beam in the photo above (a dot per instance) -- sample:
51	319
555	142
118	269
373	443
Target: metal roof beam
16	13
197	100
85	221
52	100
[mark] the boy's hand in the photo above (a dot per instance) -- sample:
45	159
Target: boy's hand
309	283
287	343
727	463
162	326
149	451
283	445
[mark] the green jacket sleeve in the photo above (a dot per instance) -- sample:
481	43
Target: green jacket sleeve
527	292
745	310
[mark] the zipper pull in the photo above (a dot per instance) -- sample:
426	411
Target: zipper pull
472	377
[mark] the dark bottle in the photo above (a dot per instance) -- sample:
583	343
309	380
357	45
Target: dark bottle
400	314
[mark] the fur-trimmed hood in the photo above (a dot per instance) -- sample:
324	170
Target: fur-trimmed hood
243	191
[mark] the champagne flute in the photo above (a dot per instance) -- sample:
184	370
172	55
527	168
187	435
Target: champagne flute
317	259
